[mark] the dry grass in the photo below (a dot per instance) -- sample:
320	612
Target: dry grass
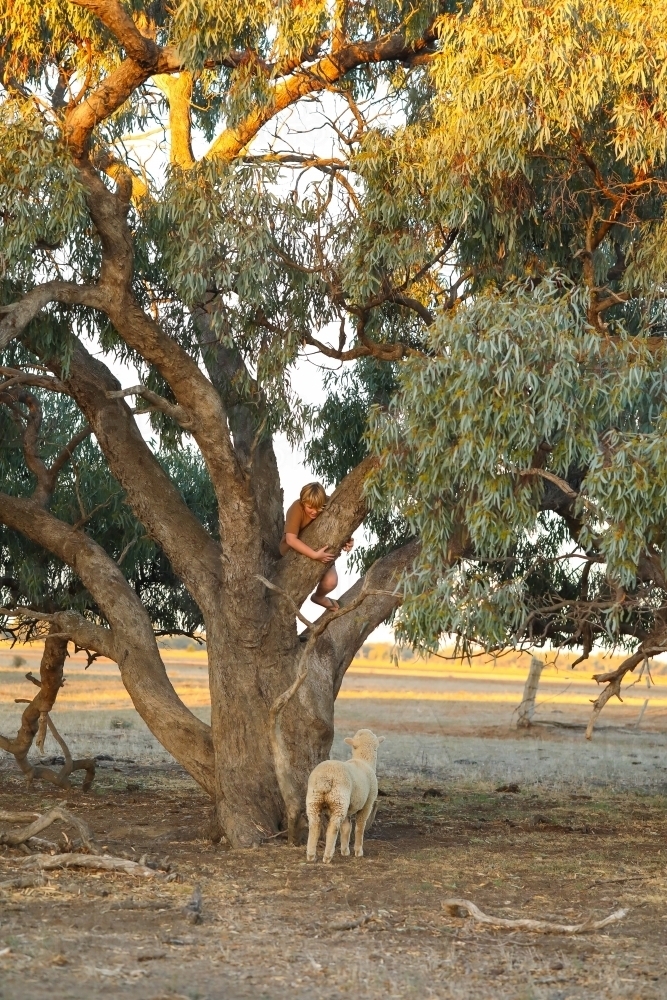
583	836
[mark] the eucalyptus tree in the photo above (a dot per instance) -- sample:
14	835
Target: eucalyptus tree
460	204
209	263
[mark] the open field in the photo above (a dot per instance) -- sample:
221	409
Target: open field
582	836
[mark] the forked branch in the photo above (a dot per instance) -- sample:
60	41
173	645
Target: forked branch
37	822
613	681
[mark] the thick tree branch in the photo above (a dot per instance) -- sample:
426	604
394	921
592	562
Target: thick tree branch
192	389
18	377
144	59
247	414
178	91
150	493
298	575
115	17
26	309
134	648
320	76
340	642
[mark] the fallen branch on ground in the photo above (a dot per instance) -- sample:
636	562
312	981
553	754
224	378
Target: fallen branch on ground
41	822
454	906
95	862
349	925
24	882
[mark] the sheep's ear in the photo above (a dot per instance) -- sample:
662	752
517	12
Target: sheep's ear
381	739
349	741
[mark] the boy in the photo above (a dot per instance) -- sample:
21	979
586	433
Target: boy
312	501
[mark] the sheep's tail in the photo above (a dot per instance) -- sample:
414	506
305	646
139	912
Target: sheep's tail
320	793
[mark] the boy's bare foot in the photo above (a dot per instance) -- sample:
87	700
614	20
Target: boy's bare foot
325	602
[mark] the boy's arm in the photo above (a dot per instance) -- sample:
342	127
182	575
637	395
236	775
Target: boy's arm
321	555
292	529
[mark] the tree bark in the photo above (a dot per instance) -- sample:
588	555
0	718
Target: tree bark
130	642
246	680
51	680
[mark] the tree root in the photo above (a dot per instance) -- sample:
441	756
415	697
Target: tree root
455	906
41	822
24	882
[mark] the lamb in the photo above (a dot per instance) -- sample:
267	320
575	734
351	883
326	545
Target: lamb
344	789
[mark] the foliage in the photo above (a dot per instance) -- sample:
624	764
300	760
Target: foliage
87	495
471	221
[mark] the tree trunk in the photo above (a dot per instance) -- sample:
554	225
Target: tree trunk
247	674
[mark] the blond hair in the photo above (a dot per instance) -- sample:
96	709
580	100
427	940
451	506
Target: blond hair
313	495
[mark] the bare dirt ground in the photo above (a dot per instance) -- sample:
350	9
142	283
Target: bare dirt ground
582	836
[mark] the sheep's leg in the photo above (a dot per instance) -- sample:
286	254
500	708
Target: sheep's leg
313	834
359	827
345	831
332	836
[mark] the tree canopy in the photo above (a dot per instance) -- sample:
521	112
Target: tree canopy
460	206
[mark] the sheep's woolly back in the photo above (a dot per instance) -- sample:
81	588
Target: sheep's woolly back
344	789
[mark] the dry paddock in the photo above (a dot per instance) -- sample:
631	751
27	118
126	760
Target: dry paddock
581	834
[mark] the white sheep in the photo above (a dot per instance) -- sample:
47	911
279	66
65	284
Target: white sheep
345	789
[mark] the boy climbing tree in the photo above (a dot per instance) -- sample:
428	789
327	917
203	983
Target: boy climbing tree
312	501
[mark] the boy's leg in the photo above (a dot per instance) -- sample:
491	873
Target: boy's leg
328	583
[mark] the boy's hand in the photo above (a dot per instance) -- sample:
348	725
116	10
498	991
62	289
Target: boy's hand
348	545
324	556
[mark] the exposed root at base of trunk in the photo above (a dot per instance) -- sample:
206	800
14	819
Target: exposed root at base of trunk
455	906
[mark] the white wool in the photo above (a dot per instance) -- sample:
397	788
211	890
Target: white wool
345	789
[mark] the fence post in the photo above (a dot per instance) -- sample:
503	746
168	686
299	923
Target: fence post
526	709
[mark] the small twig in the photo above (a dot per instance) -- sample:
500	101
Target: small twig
454	906
173	410
613	881
283	593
